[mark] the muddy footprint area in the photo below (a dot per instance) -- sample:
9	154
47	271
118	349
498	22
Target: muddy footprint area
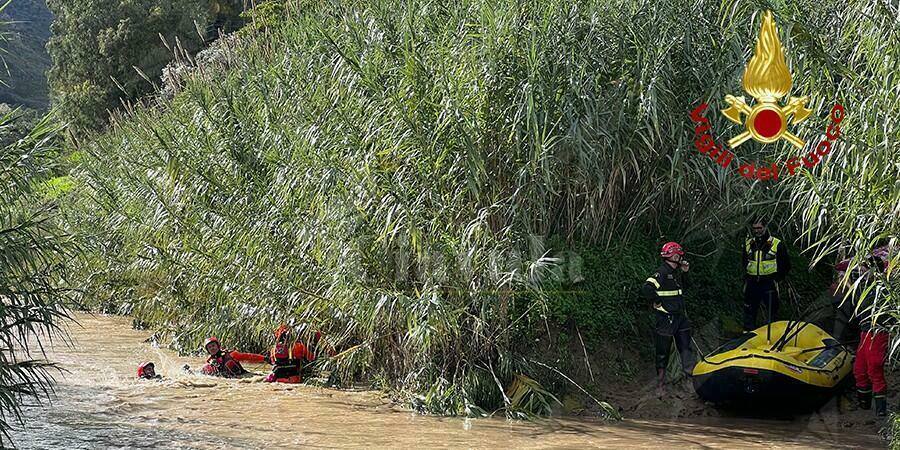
681	402
100	405
630	387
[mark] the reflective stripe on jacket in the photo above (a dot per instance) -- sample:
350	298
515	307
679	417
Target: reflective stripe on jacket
664	289
288	359
763	263
663	292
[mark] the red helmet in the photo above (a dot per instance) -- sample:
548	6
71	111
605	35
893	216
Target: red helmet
210	340
670	249
281	331
842	265
143	367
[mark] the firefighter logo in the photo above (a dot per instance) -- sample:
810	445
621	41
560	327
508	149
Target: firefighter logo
767	79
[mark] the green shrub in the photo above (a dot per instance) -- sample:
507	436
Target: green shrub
606	302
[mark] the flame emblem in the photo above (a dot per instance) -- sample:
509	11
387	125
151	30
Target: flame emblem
767	79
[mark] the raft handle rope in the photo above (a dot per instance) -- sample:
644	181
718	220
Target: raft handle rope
793	323
773	358
769	312
789	330
795	333
699	350
824	347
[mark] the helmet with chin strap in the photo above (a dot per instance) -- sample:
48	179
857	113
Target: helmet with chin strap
671	249
210	340
282	330
142	369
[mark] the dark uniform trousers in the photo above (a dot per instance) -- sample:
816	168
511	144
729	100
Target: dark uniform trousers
758	293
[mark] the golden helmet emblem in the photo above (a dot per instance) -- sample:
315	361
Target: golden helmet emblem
768	80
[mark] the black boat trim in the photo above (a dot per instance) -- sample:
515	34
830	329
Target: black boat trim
802	366
728	388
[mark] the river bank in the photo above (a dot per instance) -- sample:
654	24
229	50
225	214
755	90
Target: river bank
99	404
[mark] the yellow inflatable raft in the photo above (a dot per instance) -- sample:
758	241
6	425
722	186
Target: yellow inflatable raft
795	365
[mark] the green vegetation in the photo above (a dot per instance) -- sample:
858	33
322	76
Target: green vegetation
106	52
32	252
434	185
851	204
19	122
24	59
893	430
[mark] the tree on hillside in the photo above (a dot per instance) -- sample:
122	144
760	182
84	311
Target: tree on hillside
107	51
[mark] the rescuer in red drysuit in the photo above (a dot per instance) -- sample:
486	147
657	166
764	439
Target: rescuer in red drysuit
846	323
227	363
288	357
868	368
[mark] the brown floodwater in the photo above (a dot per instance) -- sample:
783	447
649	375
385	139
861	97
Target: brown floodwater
100	405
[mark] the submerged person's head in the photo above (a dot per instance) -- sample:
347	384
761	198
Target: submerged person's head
282	333
212	346
146	370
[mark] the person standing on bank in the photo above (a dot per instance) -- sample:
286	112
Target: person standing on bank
872	351
664	291
765	263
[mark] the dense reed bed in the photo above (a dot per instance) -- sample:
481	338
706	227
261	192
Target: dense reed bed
421	180
33	253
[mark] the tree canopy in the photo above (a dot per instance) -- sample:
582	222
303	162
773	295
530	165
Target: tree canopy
105	52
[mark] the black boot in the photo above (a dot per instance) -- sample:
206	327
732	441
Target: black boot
864	397
880	405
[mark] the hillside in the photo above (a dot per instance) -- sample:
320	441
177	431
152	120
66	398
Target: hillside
24	54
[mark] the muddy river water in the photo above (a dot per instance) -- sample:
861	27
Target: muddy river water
99	405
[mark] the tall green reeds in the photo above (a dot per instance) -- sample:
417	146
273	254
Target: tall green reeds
33	251
391	173
849	204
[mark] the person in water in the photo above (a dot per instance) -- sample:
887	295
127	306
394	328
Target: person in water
664	291
147	371
288	357
227	363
